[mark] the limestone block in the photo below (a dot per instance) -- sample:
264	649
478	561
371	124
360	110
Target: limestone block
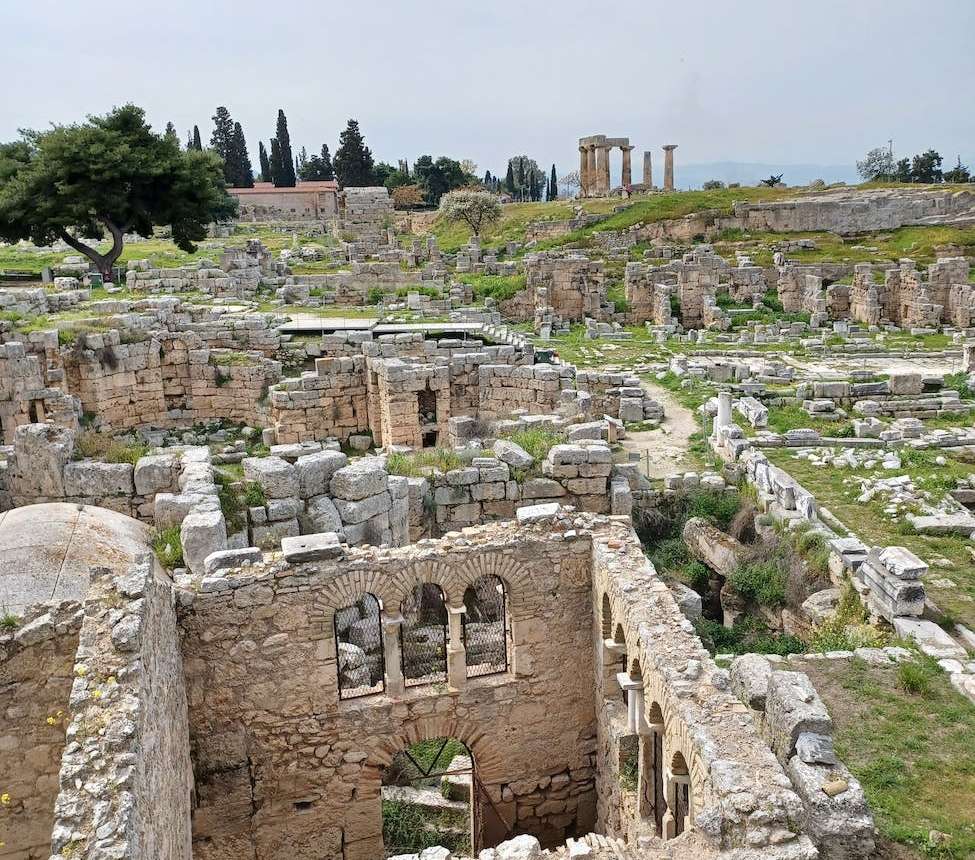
202	533
792	706
840	824
537	513
170	509
320	515
358	480
230	558
512	454
94	479
905	383
930	638
284	509
275	475
311	547
316	470
359	511
750	675
719	551
270	535
542	488
155	473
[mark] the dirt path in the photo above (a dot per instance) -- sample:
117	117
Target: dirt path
663	451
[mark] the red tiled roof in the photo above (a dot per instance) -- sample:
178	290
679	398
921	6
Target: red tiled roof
300	188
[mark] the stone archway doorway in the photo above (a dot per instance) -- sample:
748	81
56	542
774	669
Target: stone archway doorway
430	796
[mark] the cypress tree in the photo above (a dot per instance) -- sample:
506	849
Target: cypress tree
328	172
553	186
353	159
243	172
197	143
509	179
287	176
275	162
189	141
265	164
221	142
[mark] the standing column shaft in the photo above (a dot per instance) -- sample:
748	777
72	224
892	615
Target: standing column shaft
648	170
583	172
592	191
669	166
627	167
602	171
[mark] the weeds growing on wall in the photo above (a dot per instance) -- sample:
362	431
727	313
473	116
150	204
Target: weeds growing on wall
168	547
8	621
254	496
747	636
232	505
848	628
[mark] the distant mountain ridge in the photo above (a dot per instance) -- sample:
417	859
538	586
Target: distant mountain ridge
749	173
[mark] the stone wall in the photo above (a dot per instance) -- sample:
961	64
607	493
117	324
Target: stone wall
573	287
36	662
126	777
282	764
908	298
26	396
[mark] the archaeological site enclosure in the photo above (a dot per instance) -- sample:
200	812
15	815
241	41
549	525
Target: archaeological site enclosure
598	532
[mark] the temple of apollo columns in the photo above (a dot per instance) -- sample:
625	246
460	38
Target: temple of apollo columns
594	177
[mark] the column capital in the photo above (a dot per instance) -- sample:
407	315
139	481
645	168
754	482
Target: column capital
457	610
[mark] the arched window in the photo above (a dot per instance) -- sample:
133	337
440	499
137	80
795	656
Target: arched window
487	629
423	635
679	792
359	648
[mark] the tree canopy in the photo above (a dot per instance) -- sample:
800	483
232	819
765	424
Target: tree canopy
110	174
282	170
353	161
474	207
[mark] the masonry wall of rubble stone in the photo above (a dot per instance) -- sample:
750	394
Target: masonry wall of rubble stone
126	778
908	298
36	662
282	764
572	286
26	395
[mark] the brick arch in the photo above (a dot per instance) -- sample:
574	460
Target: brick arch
454	578
488	760
677	736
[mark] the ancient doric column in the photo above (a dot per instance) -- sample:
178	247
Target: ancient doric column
669	166
591	185
583	172
602	171
627	171
647	170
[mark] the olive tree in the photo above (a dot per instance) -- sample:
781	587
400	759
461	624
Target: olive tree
474	207
111	174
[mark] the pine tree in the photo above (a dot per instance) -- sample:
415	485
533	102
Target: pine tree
353	160
223	132
171	133
328	172
243	172
553	186
287	176
509	180
275	162
197	143
265	164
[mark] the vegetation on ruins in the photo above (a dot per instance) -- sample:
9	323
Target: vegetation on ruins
906	735
114	174
475	208
167	546
353	162
498	287
8	620
92	445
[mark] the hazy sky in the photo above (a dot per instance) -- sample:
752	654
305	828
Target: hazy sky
781	81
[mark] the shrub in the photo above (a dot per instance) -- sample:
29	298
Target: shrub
374	296
167	545
762	582
669	554
698	576
717	507
8	621
746	636
254	495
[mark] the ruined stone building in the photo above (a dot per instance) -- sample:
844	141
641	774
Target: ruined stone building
307	201
224	717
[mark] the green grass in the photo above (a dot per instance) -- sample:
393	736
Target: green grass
537	441
168	547
91	445
498	287
784	418
907	736
254	496
761	581
232	504
419	463
871	524
408	828
9	621
747	635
